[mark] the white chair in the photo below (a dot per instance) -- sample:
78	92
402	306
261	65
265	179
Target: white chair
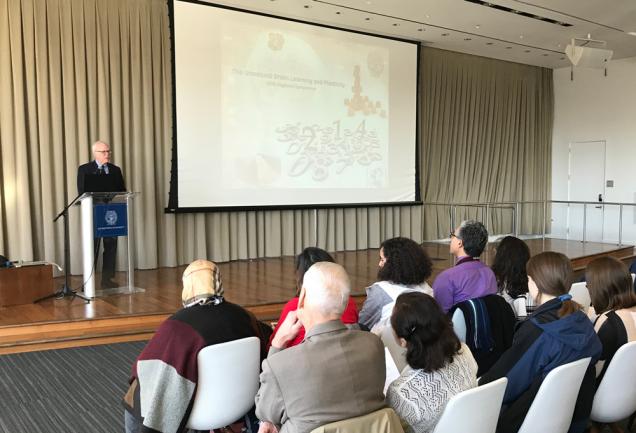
553	406
615	398
228	382
581	295
398	353
475	410
459	325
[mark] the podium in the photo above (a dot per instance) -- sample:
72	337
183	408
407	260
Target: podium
106	215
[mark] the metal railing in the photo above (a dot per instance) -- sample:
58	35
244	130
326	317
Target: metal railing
515	206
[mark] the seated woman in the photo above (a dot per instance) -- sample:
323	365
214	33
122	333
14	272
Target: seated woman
164	377
509	267
614	300
404	266
439	366
557	333
304	260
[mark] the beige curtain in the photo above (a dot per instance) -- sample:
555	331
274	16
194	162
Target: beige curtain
486	137
74	71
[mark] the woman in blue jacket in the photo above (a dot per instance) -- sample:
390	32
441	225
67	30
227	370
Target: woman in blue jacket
557	333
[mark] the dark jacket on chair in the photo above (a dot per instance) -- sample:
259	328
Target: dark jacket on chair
490	324
542	343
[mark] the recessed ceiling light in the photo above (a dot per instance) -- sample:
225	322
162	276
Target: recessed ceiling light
337	12
367	19
631	33
526	51
427	16
545	55
508	48
562	58
445	34
489	43
477	26
306	6
467	39
520	36
395	24
559	45
420	30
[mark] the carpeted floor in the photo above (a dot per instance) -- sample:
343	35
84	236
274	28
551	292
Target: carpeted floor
67	390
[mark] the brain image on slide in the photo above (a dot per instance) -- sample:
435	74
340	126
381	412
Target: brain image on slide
303	111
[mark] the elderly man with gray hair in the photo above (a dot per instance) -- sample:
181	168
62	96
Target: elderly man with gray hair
334	374
469	278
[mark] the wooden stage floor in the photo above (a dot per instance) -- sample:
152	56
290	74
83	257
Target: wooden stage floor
261	285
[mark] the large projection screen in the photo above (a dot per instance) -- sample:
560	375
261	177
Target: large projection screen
277	113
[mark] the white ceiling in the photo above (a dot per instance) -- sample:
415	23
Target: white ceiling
460	25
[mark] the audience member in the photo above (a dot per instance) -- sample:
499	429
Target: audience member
558	332
164	377
614	300
509	268
439	366
404	266
469	278
335	374
304	260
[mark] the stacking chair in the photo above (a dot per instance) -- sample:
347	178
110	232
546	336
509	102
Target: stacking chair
615	398
475	410
228	382
459	325
553	406
581	295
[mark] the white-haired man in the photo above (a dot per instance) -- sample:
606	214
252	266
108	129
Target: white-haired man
334	374
101	166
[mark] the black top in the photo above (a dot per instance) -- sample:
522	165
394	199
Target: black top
613	335
114	172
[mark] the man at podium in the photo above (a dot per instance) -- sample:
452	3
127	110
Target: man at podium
101	166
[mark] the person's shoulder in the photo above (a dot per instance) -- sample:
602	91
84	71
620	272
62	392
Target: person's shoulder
86	167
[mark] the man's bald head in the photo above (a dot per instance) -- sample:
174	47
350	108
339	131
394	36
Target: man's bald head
327	288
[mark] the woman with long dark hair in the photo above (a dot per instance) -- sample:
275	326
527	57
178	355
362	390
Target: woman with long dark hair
614	301
304	261
509	267
404	266
557	333
439	366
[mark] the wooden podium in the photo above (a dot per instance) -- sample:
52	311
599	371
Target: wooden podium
25	284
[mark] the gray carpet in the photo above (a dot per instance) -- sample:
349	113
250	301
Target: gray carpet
67	390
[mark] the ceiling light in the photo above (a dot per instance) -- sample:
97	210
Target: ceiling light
477	26
489	43
467	39
508	48
520	36
545	55
367	19
427	16
420	30
445	34
526	51
631	33
338	13
395	24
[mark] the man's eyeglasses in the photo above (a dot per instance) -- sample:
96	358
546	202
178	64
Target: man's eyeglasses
453	235
102	151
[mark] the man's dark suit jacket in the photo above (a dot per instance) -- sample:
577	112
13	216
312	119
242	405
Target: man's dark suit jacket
91	168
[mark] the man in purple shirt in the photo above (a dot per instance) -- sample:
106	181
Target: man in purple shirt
469	278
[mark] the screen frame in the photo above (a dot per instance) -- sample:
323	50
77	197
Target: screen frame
173	194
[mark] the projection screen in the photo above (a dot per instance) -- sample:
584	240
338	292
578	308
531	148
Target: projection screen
278	113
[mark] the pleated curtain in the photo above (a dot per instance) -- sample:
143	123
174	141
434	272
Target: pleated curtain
75	71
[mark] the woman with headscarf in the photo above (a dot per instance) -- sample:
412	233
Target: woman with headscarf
164	377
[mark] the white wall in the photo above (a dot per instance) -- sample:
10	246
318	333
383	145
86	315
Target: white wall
595	107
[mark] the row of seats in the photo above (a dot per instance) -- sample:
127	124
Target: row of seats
221	399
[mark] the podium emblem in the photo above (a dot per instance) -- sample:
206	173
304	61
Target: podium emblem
110	217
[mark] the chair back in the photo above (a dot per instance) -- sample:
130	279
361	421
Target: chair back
581	295
398	353
475	410
381	421
228	382
459	325
615	398
553	406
